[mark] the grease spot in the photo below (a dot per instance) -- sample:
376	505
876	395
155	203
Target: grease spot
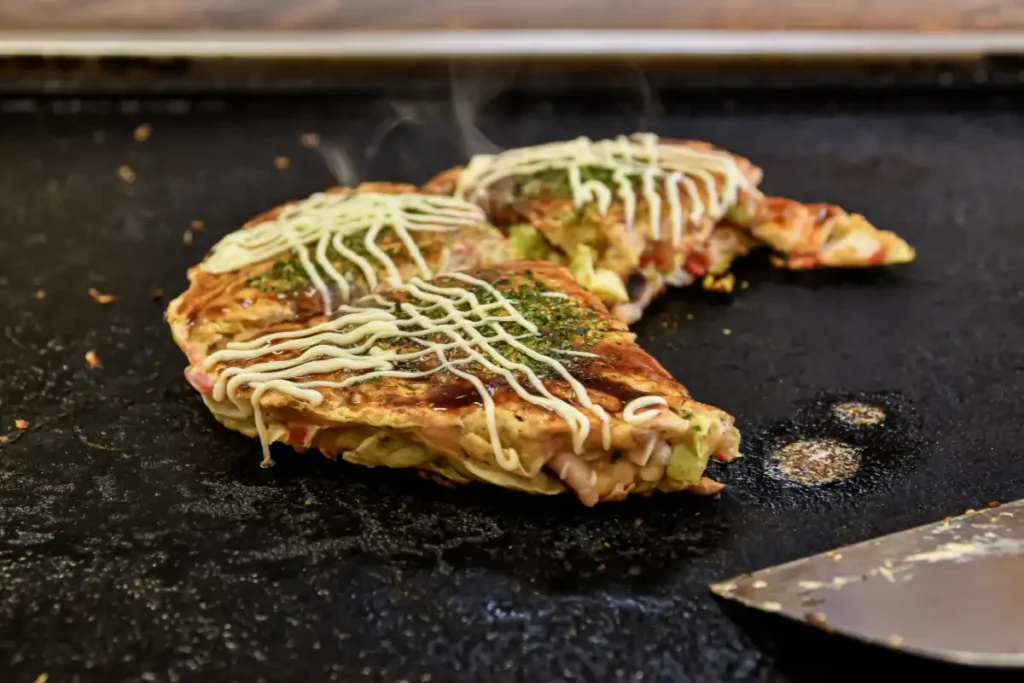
812	462
859	414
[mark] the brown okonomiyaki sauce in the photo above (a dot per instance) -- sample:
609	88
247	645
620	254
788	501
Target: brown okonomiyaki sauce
815	457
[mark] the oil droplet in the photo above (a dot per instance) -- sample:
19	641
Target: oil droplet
860	414
812	462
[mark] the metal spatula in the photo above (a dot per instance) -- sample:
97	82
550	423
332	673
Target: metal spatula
953	590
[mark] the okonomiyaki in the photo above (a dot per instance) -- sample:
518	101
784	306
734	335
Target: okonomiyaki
632	214
510	374
309	257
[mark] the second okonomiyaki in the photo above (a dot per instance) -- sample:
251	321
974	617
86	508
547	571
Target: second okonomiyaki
632	214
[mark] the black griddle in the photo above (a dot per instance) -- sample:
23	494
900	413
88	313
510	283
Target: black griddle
140	541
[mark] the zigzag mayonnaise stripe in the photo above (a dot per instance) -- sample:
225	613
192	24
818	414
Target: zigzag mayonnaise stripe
324	220
639	157
351	342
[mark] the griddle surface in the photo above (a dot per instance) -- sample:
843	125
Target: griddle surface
139	540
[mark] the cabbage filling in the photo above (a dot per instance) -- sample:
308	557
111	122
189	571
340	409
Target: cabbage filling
640	460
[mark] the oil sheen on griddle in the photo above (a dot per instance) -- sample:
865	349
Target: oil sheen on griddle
833	448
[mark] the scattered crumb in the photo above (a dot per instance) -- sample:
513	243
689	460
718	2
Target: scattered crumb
143	132
157	294
970	511
282	162
309	502
92	358
42	678
101	298
726	588
838	556
727	332
187	237
895	640
40	294
309	140
127	174
21	424
760	584
4	439
198	225
744	284
993	503
719	283
690	316
946	521
817	619
771	606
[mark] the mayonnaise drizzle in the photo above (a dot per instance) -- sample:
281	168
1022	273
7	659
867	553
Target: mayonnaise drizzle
461	337
325	219
637	157
632	417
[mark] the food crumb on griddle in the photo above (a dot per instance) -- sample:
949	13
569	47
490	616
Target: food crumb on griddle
42	678
690	316
101	298
198	225
310	140
126	174
40	294
817	619
720	283
726	331
92	358
994	503
895	640
21	424
187	237
142	132
744	284
157	294
282	162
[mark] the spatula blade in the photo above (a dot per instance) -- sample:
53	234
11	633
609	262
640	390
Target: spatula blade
953	590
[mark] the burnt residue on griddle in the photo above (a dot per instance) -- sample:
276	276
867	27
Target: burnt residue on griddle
851	458
814	462
858	413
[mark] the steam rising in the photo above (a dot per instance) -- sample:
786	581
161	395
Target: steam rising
416	113
652	112
472	88
470	94
340	164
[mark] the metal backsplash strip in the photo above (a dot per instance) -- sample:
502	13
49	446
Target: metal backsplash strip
515	43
